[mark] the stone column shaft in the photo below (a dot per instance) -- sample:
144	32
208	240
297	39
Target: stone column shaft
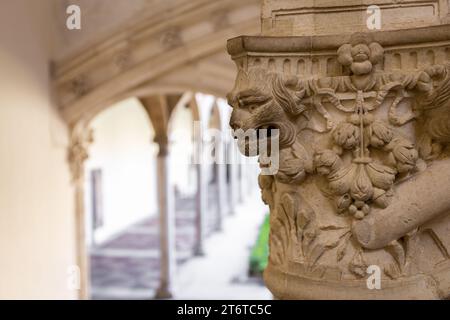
166	228
80	138
159	108
82	252
200	210
232	159
221	183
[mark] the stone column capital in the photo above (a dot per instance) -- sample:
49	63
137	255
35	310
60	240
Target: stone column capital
163	143
363	171
81	136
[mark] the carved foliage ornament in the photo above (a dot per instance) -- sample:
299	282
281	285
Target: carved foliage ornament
270	100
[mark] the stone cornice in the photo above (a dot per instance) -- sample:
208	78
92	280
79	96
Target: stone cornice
395	38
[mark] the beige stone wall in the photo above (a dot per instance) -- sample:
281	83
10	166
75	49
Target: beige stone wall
123	150
321	17
36	199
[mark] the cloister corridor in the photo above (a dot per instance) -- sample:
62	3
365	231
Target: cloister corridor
167	150
103	191
122	222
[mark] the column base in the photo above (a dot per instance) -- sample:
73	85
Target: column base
199	251
163	293
286	285
218	227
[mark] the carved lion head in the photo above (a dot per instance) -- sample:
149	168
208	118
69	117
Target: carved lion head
265	100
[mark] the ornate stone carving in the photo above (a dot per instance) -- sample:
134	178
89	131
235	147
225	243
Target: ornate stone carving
360	145
123	59
79	86
81	138
171	38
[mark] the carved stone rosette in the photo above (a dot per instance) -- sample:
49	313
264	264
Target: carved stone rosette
364	174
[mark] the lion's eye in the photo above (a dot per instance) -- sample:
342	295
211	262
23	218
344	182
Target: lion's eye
252	101
252	107
246	104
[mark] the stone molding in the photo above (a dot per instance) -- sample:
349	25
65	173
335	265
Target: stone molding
314	44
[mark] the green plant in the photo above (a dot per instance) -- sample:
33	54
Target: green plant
260	251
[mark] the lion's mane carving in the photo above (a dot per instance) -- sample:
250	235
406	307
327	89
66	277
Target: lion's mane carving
264	100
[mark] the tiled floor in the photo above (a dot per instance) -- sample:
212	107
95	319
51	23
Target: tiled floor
128	265
223	272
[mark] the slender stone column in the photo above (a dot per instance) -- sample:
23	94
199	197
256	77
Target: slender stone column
81	137
235	183
241	182
202	192
82	252
221	182
166	225
233	187
159	109
201	202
